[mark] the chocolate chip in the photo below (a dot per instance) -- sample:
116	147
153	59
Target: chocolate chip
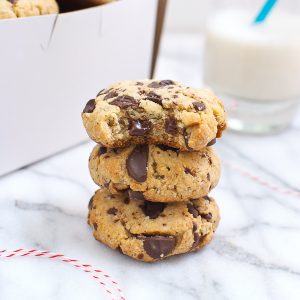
106	185
102	150
154	98
159	246
91	203
206	198
90	106
212	142
186	137
154	85
139	127
205	155
140	256
126	200
153	209
116	150
208	176
133	195
199	106
195	227
166	148
125	102
207	216
101	92
110	95
95	225
112	211
137	162
171	125
139	83
197	240
188	171
162	83
166	82
193	210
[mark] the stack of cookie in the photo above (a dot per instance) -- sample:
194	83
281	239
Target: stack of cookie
155	166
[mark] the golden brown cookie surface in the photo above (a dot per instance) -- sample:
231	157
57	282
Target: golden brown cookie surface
158	172
154	112
152	231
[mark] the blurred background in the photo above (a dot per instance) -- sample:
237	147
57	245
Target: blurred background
253	66
190	16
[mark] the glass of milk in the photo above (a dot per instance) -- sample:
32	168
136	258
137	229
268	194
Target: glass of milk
254	68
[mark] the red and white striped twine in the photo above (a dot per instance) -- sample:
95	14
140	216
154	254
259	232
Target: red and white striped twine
111	289
263	182
98	274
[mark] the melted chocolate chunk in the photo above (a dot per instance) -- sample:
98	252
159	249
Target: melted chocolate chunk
199	106
208	176
154	85
133	195
112	211
95	225
159	246
102	150
153	209
117	150
197	240
101	92
125	102
139	127
207	216
212	142
171	125
166	148
90	106
139	83
166	82
188	171
154	98
208	158
195	227
137	162
193	210
91	203
110	95
159	84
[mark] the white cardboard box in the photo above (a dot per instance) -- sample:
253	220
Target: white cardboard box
51	65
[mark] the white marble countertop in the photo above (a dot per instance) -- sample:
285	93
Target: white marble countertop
254	255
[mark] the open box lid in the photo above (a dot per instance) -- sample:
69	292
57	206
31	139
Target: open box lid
71	5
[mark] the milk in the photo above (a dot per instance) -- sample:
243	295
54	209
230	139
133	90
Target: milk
254	63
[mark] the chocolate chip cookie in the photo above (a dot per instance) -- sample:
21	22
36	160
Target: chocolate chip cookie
150	231
157	172
154	112
26	8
